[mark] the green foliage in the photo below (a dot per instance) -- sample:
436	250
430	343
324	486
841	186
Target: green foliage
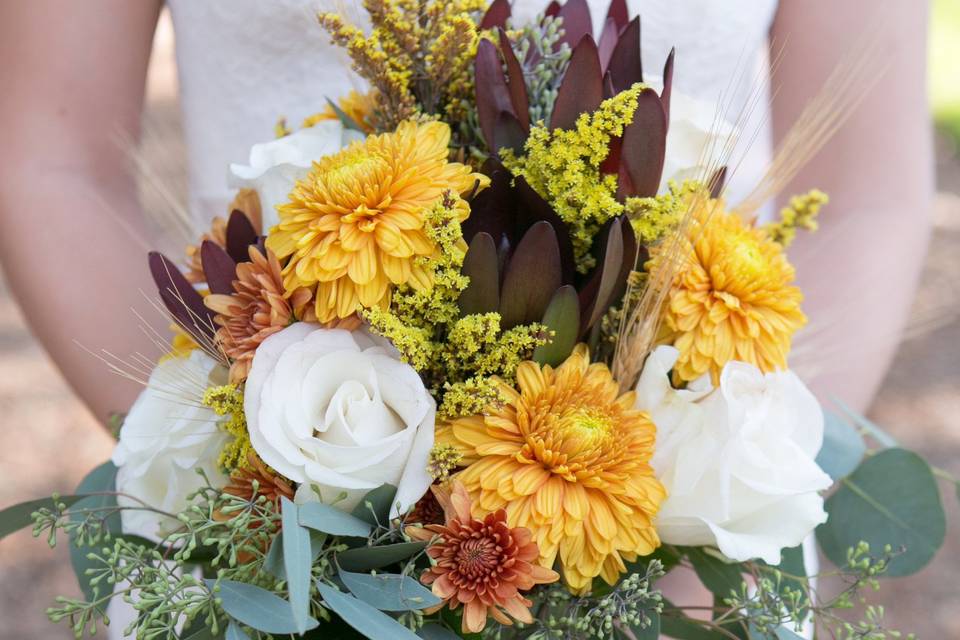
258	608
327	519
721	578
369	621
842	449
375	506
389	592
891	500
370	558
297	560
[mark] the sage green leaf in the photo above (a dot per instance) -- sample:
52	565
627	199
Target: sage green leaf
842	449
273	562
198	630
563	318
389	592
650	632
866	424
257	608
297	560
366	619
234	632
716	575
18	516
375	507
345	120
323	517
433	631
684	628
102	480
891	499
369	558
782	633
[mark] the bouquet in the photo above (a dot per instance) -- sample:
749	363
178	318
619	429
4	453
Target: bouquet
484	352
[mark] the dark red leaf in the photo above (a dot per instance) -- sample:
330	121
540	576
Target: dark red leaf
492	210
619	13
625	66
717	182
531	277
595	296
667	84
492	93
496	15
581	90
508	133
630	252
644	145
480	264
576	21
608	41
608	90
553	9
240	235
219	269
531	208
515	83
181	299
611	164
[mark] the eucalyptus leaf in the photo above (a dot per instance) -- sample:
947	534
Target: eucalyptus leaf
369	558
345	120
842	449
198	630
257	608
102	480
18	516
433	631
375	507
866	424
389	592
891	499
650	632
297	560
366	619
234	632
719	577
323	517
273	562
684	628
782	633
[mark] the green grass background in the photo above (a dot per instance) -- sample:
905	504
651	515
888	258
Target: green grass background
945	65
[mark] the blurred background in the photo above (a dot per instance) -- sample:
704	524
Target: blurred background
51	441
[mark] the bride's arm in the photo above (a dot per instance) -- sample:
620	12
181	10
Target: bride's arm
73	80
859	272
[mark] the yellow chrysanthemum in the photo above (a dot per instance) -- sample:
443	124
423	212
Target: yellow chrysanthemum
732	298
357	106
568	457
355	224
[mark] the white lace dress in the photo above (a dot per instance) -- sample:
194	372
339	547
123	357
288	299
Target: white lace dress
244	63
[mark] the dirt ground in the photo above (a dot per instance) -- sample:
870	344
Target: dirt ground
50	441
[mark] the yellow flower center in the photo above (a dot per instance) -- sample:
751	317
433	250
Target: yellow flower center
586	427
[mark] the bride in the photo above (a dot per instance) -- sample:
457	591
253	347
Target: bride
74	77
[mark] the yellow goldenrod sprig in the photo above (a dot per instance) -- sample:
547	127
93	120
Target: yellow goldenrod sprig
800	213
227	400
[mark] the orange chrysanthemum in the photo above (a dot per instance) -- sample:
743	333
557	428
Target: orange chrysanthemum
355	224
247	202
483	564
732	298
355	105
568	457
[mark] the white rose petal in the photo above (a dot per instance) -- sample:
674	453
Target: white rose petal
339	413
738	462
164	439
275	166
695	137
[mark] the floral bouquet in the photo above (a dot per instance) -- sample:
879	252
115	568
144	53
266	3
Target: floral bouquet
483	352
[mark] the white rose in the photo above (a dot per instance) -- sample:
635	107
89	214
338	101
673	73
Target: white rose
337	412
167	436
737	461
275	166
695	137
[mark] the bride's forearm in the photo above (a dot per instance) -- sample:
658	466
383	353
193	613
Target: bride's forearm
68	250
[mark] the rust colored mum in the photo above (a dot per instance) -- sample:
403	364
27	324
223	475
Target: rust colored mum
256	310
246	201
483	564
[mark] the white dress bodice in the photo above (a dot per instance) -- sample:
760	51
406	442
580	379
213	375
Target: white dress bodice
245	63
